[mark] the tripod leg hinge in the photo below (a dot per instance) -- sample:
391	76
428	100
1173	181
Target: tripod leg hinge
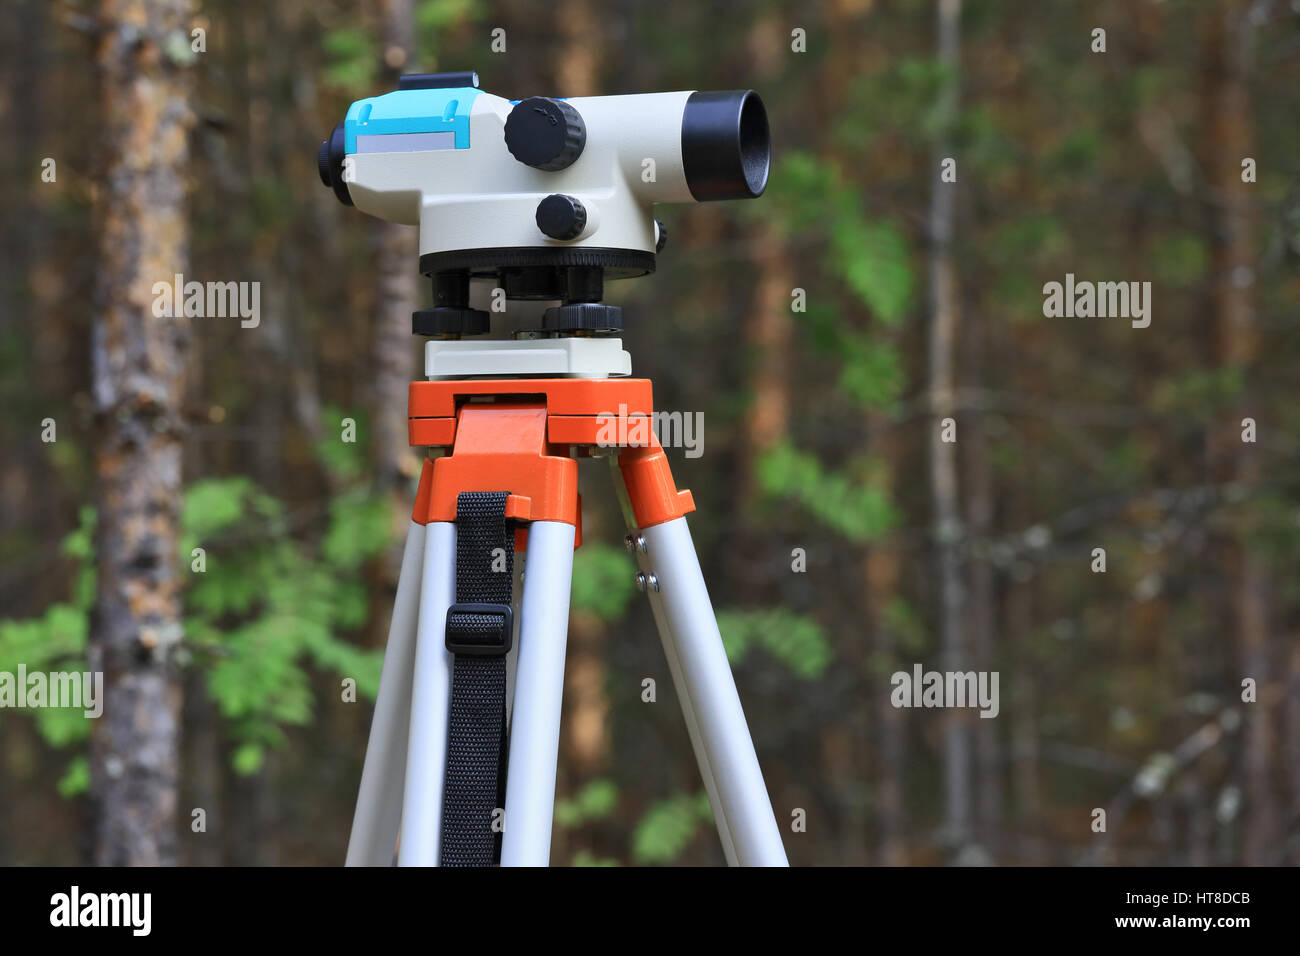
650	487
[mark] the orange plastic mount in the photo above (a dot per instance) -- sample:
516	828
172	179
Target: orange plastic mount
650	487
519	434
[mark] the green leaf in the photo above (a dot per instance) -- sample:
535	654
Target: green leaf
859	510
668	827
360	527
345	460
873	260
440	14
604	580
798	641
872	373
248	759
594	801
587	858
352	57
76	779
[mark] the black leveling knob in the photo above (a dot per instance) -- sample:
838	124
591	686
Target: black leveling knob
583	317
451	314
561	217
545	133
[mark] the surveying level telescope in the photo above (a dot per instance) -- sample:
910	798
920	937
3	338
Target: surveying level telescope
545	198
548	195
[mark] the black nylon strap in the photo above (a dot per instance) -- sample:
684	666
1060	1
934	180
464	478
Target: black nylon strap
479	638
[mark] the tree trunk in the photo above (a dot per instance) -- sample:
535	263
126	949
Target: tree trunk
982	602
1291	729
586	719
1228	130
397	286
881	573
1025	766
139	361
944	494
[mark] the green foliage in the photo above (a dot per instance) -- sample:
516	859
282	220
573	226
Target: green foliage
595	801
359	528
668	827
433	15
344	460
56	641
859	510
902	622
1029	239
1180	259
263	610
869	256
266	608
872	372
352	59
604	580
872	259
1200	392
904	101
796	640
76	779
56	637
1077	151
587	858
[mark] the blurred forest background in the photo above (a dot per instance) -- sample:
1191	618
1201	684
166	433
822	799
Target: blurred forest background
1120	690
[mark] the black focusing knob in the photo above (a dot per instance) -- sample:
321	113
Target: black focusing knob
561	217
545	133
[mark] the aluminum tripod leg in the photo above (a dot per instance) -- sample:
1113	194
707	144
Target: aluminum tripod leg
710	693
669	643
379	802
426	755
539	687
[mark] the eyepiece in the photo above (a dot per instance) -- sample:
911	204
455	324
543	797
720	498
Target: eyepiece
329	163
726	147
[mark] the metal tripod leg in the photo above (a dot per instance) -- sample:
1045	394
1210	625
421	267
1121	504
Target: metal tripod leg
379	801
669	642
426	755
711	694
539	687
705	688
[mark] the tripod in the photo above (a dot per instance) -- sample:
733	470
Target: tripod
514	415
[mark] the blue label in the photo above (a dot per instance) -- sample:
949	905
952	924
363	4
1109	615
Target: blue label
411	111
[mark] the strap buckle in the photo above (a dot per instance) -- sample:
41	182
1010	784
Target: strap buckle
480	630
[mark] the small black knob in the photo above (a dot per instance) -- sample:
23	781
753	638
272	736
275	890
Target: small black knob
661	232
545	133
561	217
437	81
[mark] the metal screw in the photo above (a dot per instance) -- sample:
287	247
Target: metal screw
635	543
647	582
